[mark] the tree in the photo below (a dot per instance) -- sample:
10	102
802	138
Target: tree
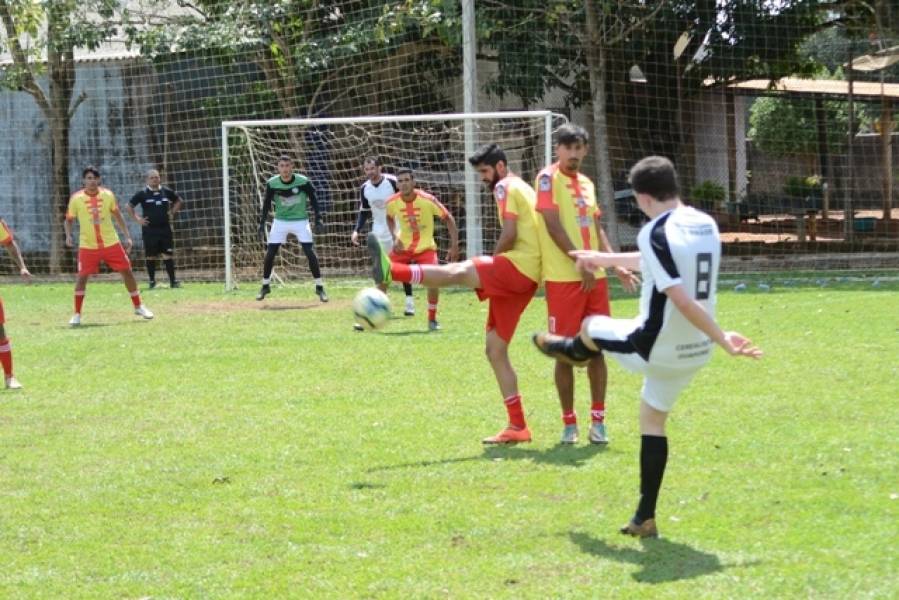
316	56
583	48
54	30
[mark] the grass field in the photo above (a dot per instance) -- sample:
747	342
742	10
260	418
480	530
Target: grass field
231	448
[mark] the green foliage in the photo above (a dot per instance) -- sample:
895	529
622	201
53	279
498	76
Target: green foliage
784	126
803	187
317	56
224	451
707	195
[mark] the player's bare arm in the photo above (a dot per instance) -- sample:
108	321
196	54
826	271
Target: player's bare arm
453	254
391	226
16	254
123	227
507	237
733	343
143	221
629	280
591	260
176	207
67	226
557	232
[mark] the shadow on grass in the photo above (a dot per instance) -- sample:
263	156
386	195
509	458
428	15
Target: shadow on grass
564	455
406	333
560	454
87	326
661	560
288	306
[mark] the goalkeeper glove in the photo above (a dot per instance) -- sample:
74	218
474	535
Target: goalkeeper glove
319	225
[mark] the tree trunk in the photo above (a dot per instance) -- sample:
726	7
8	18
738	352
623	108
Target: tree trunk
597	68
61	72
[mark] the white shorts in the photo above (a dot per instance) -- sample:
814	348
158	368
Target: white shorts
661	384
280	230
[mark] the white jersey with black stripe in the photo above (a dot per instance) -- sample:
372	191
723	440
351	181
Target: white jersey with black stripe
681	246
375	197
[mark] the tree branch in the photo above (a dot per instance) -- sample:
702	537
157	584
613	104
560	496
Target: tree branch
28	82
81	98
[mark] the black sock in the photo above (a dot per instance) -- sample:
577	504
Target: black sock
653	458
580	351
170	268
269	263
309	251
151	268
407	287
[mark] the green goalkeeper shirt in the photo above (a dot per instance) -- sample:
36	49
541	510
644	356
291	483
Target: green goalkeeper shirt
291	199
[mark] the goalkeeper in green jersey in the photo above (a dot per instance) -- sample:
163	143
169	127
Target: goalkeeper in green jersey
293	195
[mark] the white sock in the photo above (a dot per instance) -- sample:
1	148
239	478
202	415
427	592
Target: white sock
318	282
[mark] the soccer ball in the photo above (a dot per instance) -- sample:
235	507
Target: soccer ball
372	308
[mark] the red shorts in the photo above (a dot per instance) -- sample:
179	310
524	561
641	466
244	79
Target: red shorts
428	257
567	305
114	256
508	290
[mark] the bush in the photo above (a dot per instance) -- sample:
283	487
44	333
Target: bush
804	192
708	195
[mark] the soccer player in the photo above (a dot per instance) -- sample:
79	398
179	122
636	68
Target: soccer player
672	338
8	240
568	219
375	192
158	205
95	209
414	210
293	195
508	279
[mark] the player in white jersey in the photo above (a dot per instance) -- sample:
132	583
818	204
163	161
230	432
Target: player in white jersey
672	338
373	196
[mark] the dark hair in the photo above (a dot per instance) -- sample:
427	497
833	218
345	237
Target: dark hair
488	154
404	170
373	160
285	158
90	169
656	177
569	133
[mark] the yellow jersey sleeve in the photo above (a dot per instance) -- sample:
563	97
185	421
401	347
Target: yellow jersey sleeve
6	236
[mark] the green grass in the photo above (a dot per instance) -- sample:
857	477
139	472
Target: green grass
231	448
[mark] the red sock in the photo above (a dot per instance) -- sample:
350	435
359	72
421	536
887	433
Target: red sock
6	356
569	418
79	301
598	412
516	411
405	273
432	311
135	298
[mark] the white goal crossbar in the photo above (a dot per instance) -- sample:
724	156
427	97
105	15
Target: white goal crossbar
473	224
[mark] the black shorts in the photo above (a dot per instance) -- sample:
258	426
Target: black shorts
158	240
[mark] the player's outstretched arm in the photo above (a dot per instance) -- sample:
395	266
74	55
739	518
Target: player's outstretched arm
592	260
732	342
629	280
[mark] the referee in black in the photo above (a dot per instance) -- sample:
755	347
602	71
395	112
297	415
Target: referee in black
158	205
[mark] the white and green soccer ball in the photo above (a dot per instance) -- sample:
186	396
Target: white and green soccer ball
371	307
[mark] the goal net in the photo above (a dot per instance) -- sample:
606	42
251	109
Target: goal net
331	153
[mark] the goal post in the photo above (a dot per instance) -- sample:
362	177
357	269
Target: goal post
331	151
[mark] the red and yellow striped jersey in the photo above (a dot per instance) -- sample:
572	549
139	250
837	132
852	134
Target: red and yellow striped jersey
416	220
575	200
6	235
516	200
94	215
